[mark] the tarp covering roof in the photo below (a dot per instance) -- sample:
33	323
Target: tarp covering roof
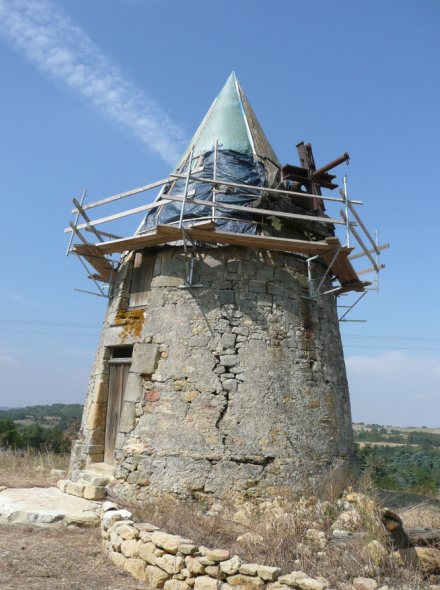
229	145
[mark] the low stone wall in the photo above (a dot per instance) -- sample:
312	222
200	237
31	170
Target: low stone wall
174	563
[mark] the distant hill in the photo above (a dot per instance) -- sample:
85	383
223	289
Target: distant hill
60	415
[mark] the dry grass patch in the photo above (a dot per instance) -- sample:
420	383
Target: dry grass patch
29	468
292	535
57	559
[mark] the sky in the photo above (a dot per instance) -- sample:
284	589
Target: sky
103	95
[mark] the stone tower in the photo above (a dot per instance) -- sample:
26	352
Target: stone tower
217	373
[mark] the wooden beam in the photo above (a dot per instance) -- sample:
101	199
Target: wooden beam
87	218
119	215
165	233
370	251
123	195
370	269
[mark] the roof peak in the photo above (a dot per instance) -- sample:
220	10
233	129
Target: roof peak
230	122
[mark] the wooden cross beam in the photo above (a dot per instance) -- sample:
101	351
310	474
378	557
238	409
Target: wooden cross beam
312	179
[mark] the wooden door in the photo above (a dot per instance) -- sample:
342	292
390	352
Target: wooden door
118	373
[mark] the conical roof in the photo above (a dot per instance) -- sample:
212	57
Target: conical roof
243	155
232	123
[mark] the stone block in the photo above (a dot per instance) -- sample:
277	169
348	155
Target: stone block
205	583
171	564
269	574
75	488
187	548
128	417
176	585
230	384
228	340
217	555
94	492
133	388
246	582
249	569
147	551
229	360
127	532
231	566
145	358
241	330
115	541
166	541
113	336
62	484
226	296
258	286
194	566
136	567
96	416
130	548
114	516
118	559
97	437
100	389
164	281
155	576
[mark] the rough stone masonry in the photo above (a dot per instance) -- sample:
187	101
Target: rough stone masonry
236	385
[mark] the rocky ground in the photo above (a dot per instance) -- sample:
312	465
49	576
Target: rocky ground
340	544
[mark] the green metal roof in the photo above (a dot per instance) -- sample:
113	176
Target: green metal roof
232	122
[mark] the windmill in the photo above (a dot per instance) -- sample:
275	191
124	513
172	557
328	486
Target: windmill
220	367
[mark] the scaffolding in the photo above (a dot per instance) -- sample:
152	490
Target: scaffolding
325	258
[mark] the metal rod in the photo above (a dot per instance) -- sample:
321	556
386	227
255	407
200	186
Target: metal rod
361	243
256	211
274	191
347	223
75	222
90	293
185	193
336	162
351	306
361	223
89	273
214	175
328	270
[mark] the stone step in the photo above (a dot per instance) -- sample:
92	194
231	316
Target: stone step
103	469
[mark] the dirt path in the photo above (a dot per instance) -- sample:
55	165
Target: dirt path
57	559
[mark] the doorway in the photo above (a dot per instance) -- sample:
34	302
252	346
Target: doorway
119	366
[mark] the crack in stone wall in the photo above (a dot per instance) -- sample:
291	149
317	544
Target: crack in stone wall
247	391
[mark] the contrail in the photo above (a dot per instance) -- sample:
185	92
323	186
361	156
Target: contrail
48	38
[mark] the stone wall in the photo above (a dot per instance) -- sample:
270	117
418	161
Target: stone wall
237	384
174	563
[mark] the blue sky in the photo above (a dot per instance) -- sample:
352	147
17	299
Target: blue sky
103	94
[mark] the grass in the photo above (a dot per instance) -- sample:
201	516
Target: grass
29	468
276	534
57	559
281	536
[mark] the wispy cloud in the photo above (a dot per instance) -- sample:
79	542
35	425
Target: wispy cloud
7	359
46	36
395	388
